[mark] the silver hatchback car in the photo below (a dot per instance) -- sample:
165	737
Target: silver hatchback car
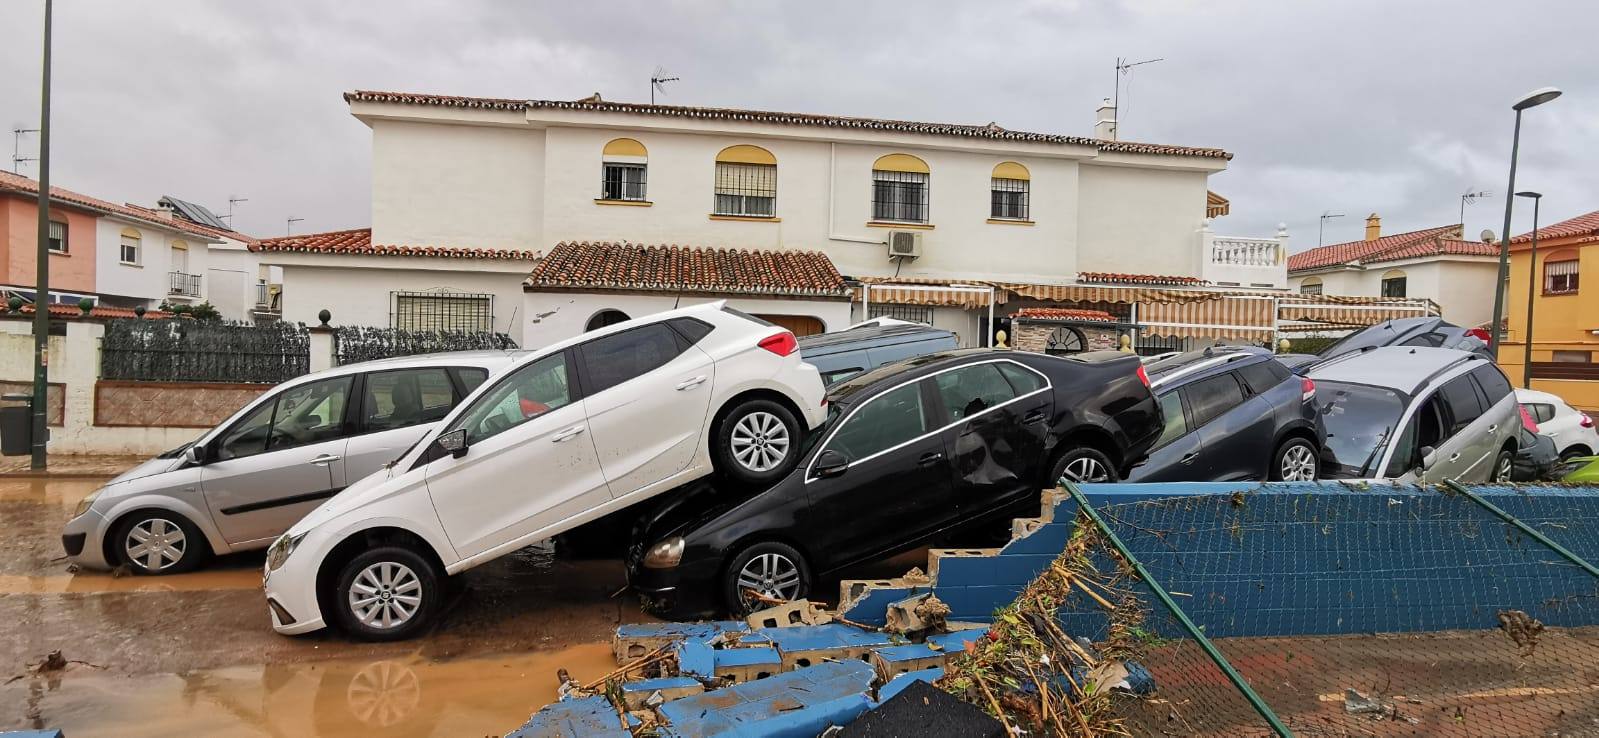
244	482
1417	414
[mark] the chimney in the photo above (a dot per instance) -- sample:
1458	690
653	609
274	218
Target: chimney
1105	123
1373	227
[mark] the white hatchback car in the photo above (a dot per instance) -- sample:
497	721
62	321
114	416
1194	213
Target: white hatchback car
1572	429
571	433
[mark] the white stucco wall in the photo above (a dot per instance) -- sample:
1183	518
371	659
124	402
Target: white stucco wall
232	273
357	294
1463	287
455	185
147	280
556	316
1140	221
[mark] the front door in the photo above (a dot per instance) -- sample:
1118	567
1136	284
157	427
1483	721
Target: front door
1235	433
1465	451
1176	453
897	486
995	433
648	373
529	463
277	463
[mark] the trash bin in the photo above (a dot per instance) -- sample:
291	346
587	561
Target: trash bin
16	425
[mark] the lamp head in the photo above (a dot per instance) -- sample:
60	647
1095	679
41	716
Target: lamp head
1536	97
1529	193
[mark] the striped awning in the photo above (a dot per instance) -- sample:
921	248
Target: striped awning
1328	311
1232	317
887	290
930	293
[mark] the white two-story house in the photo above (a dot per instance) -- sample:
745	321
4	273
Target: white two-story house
541	218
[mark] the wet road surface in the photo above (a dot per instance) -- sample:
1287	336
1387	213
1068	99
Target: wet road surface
195	653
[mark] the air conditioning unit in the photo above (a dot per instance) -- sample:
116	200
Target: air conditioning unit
904	244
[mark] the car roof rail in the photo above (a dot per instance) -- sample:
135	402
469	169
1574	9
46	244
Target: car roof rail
1199	366
1440	371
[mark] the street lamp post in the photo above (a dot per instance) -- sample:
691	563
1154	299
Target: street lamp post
41	285
1532	99
1532	281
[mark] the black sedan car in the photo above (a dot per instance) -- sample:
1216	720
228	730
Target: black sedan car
910	451
1232	413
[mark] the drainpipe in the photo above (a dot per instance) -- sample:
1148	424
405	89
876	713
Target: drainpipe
832	177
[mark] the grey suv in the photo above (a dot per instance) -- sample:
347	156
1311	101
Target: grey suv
1417	414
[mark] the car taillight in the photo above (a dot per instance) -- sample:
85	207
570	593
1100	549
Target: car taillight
1143	376
1586	421
1307	389
1526	419
781	344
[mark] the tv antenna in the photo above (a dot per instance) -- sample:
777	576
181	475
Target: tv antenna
658	82
16	149
1469	198
1123	69
1326	215
289	229
231	202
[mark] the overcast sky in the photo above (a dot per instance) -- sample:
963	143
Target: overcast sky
1352	106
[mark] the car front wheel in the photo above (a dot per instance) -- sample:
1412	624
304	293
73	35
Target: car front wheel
757	442
158	542
764	574
387	594
1295	461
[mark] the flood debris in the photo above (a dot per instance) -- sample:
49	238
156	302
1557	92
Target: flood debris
1356	703
919	613
1522	628
52	663
790	614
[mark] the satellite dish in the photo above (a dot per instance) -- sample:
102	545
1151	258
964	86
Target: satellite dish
1487	235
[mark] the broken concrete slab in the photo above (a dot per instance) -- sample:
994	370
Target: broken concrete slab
798	703
581	718
915	614
638	695
738	665
811	644
695	658
789	614
635	640
895	660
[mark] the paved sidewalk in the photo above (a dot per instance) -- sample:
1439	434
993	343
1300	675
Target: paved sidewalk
63	466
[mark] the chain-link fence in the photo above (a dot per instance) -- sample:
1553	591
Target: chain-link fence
203	351
355	343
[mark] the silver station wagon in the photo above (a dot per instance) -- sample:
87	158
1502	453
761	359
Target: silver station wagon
244	482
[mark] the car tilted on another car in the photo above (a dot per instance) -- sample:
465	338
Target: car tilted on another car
244	482
570	433
1417	414
1427	331
1571	429
1232	413
910	451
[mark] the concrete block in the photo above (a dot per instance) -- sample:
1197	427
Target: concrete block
739	665
635	640
590	716
797	703
812	644
695	659
869	605
789	614
635	694
918	613
895	660
938	559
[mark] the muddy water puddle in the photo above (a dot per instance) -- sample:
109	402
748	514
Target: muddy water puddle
94	582
396	696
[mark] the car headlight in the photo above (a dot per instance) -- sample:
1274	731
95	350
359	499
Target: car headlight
85	503
666	554
278	554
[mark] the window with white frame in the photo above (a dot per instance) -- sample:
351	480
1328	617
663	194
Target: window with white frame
130	246
1560	277
746	189
624	170
58	237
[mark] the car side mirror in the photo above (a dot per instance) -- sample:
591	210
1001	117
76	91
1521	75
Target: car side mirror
194	455
830	464
453	443
1429	456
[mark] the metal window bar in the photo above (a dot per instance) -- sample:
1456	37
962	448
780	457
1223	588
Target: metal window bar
1393	287
187	285
746	189
899	196
1560	277
1009	199
442	311
620	181
58	236
260	294
913	313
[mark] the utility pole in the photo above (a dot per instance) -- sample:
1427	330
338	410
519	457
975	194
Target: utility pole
16	148
1326	215
288	230
41	287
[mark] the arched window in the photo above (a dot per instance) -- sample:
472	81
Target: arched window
746	182
1393	283
1011	182
605	318
131	241
624	164
899	189
1560	272
1310	286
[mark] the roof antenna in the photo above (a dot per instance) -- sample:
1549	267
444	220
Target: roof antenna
658	82
16	149
231	201
1470	198
288	230
1124	68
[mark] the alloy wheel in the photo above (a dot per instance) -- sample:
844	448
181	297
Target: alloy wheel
760	441
385	595
383	694
770	575
155	544
1087	469
1502	468
1299	464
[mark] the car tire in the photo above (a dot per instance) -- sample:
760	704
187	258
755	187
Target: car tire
1504	469
749	439
1294	461
776	570
1086	464
158	542
389	593
1575	452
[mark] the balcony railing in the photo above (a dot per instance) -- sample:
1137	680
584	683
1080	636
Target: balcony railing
184	285
1245	251
267	296
1233	261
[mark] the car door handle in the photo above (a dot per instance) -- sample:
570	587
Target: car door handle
1033	417
568	434
1493	427
1189	457
325	459
689	384
928	459
1454	457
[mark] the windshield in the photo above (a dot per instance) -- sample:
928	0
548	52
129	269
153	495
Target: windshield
1360	419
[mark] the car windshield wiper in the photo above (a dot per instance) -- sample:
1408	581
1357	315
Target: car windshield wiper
1375	448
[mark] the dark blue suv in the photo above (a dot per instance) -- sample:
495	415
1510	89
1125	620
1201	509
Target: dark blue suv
1232	413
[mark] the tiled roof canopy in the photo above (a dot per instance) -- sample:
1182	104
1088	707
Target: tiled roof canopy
16	183
627	266
1117	278
1048	313
60	311
358	242
1582	225
990	131
1216	205
1443	240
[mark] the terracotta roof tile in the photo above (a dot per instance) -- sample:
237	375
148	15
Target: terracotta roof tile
1050	313
193	226
989	131
59	311
1118	278
358	242
1582	225
1372	251
628	266
16	183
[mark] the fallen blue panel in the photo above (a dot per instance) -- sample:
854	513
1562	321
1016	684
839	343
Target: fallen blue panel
659	683
872	608
688	631
694	658
956	642
819	637
803	702
907	652
898	683
590	716
760	656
